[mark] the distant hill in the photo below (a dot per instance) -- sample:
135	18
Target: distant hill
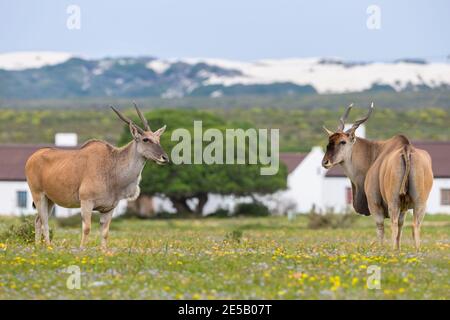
47	75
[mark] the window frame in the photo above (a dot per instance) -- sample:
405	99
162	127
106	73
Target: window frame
348	196
22	199
445	196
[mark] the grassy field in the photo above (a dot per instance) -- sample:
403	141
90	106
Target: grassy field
242	258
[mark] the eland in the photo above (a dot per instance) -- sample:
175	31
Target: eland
94	177
388	177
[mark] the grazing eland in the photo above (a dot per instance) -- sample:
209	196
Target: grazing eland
94	177
388	177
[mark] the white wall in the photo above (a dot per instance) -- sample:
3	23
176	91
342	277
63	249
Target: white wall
434	200
8	201
334	193
217	201
163	204
8	198
66	139
305	182
360	131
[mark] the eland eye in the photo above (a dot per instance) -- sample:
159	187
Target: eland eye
146	139
342	142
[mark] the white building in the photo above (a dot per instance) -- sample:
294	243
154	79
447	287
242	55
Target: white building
305	179
15	196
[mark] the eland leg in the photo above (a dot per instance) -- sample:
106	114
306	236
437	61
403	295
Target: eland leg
378	214
418	214
394	214
38	221
105	221
401	220
44	206
86	215
45	227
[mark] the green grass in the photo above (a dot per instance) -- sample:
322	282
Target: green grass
242	258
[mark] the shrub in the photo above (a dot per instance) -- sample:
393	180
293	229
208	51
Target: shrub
233	236
330	220
73	221
166	215
22	232
254	209
219	213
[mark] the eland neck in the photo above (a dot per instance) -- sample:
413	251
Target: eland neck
129	164
364	152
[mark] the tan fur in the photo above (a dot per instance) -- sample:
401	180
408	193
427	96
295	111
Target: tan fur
388	178
95	177
406	153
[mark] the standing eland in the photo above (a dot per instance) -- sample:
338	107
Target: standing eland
94	177
388	177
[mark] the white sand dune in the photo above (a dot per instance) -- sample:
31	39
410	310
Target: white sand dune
29	60
331	77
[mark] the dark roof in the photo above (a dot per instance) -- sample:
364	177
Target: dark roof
438	150
13	158
292	160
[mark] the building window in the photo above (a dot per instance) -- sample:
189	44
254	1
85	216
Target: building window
348	195
445	197
22	199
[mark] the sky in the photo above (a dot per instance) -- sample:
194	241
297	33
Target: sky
232	29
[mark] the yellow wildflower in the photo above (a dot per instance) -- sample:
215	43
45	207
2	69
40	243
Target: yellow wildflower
281	292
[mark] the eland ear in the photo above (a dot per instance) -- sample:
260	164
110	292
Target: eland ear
134	132
160	131
329	132
351	134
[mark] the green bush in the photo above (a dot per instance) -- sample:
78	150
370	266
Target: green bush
253	209
22	232
166	215
219	213
233	236
73	221
330	220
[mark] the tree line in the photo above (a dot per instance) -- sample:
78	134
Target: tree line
300	129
